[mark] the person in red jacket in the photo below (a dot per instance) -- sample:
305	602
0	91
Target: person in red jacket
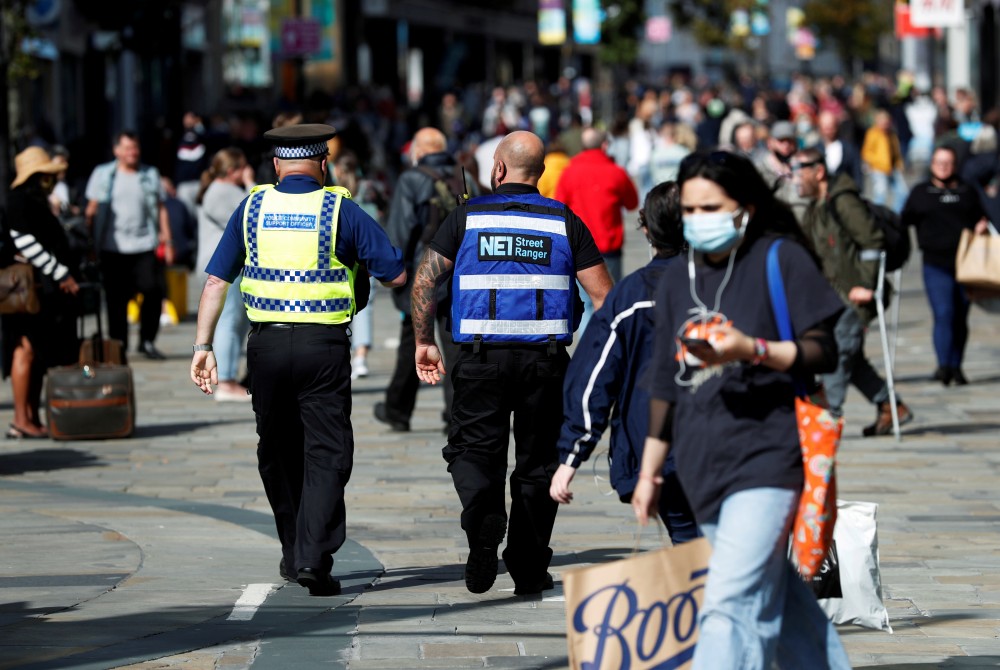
597	189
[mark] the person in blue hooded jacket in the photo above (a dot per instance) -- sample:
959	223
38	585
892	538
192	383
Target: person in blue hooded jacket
601	386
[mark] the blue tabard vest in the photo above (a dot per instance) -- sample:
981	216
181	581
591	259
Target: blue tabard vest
514	278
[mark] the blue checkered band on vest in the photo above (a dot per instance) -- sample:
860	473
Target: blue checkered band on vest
295	276
304	151
311	306
253	214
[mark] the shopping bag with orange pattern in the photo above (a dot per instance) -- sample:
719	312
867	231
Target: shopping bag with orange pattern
819	437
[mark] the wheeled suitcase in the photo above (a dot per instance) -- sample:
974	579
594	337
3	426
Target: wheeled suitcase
94	399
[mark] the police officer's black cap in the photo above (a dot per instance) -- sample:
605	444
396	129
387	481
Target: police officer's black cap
304	140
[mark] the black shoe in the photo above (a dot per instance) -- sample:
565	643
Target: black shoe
536	587
318	583
151	352
481	568
382	414
285	574
943	375
958	378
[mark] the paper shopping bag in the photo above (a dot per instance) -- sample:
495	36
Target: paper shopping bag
977	263
639	612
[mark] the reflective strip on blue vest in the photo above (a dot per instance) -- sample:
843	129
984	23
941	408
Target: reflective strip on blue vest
518	221
551	282
490	327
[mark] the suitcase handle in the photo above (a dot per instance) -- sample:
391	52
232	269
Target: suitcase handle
97	340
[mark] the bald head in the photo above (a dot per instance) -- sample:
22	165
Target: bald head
427	141
519	158
828	125
592	138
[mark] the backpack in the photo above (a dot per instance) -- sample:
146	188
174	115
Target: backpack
897	237
449	193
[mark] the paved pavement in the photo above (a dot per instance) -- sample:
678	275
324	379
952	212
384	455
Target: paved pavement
159	551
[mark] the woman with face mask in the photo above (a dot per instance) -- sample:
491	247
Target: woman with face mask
940	209
32	343
722	402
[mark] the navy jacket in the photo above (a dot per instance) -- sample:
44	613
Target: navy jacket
602	380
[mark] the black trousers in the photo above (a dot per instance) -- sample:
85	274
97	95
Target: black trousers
401	394
124	275
300	378
490	386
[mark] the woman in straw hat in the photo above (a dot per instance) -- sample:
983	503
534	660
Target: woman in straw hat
34	342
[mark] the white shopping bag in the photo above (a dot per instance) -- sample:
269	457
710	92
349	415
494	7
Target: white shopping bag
849	586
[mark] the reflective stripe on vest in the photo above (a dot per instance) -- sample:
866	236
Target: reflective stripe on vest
514	273
292	273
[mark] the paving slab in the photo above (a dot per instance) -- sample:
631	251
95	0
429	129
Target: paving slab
132	553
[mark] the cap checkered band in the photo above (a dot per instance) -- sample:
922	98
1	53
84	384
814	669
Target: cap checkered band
295	276
301	151
297	306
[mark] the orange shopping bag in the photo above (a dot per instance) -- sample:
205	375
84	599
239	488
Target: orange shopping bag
819	436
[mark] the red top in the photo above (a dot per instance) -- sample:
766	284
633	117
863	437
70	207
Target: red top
596	189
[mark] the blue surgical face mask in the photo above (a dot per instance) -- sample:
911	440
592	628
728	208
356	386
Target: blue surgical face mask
714	232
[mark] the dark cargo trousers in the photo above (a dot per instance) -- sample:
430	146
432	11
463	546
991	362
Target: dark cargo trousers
490	387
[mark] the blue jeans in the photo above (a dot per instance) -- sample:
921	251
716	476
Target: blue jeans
881	185
852	365
675	511
230	333
614	263
950	307
363	327
757	610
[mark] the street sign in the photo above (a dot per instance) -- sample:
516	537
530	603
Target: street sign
301	37
937	13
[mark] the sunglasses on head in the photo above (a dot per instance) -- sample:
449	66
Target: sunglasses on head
802	166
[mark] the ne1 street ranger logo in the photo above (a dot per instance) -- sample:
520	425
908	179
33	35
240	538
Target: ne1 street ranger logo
520	248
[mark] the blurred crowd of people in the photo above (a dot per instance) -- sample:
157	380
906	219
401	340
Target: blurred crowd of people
878	130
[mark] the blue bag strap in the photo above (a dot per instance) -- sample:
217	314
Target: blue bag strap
776	287
779	303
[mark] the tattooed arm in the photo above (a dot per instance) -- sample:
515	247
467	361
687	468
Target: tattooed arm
433	270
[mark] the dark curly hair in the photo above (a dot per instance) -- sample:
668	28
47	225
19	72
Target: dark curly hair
661	215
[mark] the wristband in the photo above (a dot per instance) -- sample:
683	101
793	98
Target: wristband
760	351
201	347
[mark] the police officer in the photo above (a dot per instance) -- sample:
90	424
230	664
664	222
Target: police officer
515	258
299	246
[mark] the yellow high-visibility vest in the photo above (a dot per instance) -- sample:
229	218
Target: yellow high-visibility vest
292	273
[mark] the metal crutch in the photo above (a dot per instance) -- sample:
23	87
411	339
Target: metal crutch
894	300
888	356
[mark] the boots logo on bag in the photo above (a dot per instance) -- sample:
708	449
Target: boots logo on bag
635	634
